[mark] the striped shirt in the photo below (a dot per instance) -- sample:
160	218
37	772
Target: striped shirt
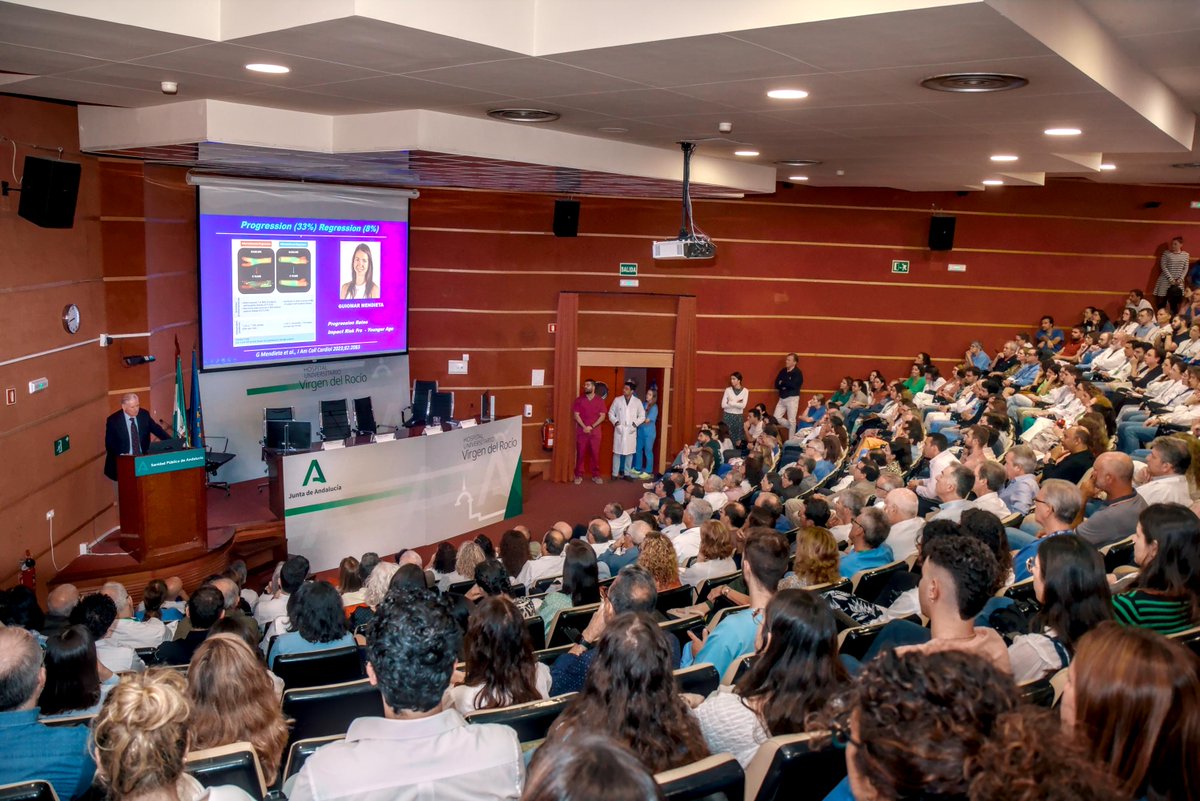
1164	615
1172	267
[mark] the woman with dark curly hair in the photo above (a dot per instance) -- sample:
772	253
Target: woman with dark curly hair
795	670
501	668
630	696
949	725
317	622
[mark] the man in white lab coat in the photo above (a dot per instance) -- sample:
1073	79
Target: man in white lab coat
626	414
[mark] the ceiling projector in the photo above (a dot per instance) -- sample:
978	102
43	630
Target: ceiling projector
690	248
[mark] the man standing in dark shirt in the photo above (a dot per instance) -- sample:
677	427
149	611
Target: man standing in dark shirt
588	411
789	382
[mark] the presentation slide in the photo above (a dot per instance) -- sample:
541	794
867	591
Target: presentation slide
278	289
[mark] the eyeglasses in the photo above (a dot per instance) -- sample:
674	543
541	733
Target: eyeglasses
1039	500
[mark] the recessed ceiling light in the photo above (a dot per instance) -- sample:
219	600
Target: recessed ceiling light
745	152
1003	157
270	69
798	162
974	82
787	94
523	114
614	130
992	182
797	177
1107	167
1062	132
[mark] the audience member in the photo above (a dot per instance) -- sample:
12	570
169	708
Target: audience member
501	669
580	583
1165	595
59	603
229	594
316	622
989	480
73	682
900	508
491	580
1018	493
350	583
658	556
625	551
687	543
98	614
816	561
514	551
588	767
1164	478
953	486
374	591
549	564
1056	508
868	542
273	603
716	554
1118	514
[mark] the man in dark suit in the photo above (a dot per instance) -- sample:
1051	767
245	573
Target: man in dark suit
128	431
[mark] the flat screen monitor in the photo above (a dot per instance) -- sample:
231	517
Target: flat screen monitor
291	435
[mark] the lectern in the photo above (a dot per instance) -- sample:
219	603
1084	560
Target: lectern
163	505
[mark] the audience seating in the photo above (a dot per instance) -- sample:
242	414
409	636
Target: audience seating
607	582
73	720
843	585
319	668
675	599
1013	520
145	654
679	627
855	641
516	590
537	632
1118	554
330	709
737	668
460	587
547	655
709	584
868	584
543	585
575	617
1059	682
720	614
795	767
28	791
530	721
1040	692
714	778
1189	637
235	764
1021	591
701	679
301	750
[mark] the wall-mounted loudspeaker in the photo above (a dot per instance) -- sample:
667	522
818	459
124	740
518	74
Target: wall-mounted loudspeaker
566	217
48	192
941	233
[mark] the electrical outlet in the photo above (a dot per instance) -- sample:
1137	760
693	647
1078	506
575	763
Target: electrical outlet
83	549
50	515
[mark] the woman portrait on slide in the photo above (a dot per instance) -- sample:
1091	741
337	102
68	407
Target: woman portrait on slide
361	285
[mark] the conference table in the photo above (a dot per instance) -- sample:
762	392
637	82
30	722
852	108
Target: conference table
359	495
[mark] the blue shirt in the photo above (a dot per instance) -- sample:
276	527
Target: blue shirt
293	643
823	468
1023	561
1018	494
1143	331
1055	333
617	561
1026	375
732	637
982	361
58	755
855	561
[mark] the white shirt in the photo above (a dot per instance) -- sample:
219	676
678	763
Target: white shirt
1033	656
463	697
117	658
716	500
734	404
618	526
1109	359
729	726
706	570
138	634
687	545
992	503
540	568
952	510
903	536
1166	489
269	608
438	757
928	487
841	533
674	530
250	597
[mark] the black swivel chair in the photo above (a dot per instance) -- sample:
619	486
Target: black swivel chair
364	417
422	397
335	420
442	406
282	413
214	461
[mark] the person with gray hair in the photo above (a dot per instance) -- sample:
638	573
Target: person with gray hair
1164	478
126	631
989	478
229	596
32	750
885	484
127	431
238	573
1056	509
1118	514
953	486
649	502
550	563
900	509
59	603
1018	493
868	538
626	549
374	591
632	591
714	492
844	507
617	517
695	514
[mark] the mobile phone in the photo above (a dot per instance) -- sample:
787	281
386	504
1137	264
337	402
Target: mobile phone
698	630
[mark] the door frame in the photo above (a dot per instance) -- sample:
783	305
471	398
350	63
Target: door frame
665	359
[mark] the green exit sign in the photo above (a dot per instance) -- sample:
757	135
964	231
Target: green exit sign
628	268
900	267
62	445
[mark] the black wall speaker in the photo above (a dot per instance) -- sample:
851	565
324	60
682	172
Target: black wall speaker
941	233
566	217
48	192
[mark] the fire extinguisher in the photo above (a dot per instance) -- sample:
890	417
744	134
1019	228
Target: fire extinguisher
28	572
548	435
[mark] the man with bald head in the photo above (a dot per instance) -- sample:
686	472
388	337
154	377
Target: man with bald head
230	595
550	563
31	750
127	631
128	430
1118	514
59	603
900	508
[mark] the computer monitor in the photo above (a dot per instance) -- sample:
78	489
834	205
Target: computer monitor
291	435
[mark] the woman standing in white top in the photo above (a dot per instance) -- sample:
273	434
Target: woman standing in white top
733	406
501	668
795	669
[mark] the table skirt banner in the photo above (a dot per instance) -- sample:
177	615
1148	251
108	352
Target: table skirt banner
385	496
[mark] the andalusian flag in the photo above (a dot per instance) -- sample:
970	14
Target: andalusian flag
179	427
195	412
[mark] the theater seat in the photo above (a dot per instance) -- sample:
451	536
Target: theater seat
537	632
795	767
1118	554
235	764
856	641
318	668
460	587
1039	693
547	656
1189	637
329	709
715	778
721	614
675	599
567	622
301	750
28	791
709	584
678	627
737	668
868	584
700	679
530	721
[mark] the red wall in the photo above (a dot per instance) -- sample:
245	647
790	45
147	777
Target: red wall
806	269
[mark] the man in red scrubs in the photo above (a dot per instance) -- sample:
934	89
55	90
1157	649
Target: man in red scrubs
589	411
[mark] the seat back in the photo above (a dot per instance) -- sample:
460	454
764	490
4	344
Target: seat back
869	583
737	668
795	767
364	416
712	582
702	679
28	791
330	709
1188	637
72	720
855	641
547	656
334	666
1021	591
674	599
422	397
530	721
844	585
460	587
537	632
721	614
1039	692
235	764
678	627
575	617
335	419
301	750
1118	554
543	585
714	778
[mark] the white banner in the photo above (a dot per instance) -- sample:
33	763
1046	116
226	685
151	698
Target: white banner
402	494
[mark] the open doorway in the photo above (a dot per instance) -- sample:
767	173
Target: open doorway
610	379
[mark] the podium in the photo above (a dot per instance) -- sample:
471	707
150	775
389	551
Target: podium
163	506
